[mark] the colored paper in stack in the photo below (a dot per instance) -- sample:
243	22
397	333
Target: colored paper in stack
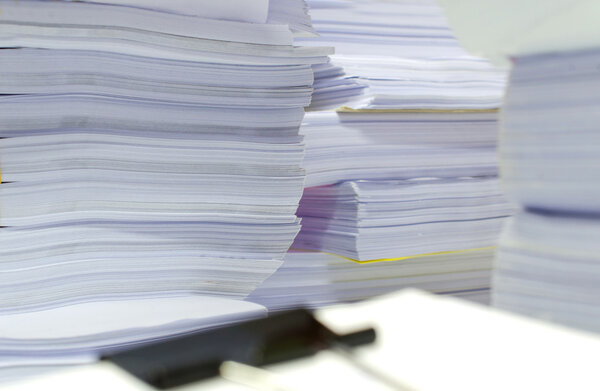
146	153
406	176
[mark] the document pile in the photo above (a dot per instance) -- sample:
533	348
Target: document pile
146	152
548	262
377	236
369	220
406	54
402	186
377	145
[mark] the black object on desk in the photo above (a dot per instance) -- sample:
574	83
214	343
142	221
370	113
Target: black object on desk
277	338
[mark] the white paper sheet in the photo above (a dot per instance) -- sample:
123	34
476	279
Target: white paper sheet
117	316
499	29
253	11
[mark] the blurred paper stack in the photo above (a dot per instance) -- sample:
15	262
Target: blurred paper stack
402	186
147	152
548	262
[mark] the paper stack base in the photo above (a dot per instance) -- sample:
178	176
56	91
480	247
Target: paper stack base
78	334
316	279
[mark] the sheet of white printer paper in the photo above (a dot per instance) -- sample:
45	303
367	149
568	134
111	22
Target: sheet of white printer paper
252	11
52	18
109	316
76	334
99	377
500	29
432	343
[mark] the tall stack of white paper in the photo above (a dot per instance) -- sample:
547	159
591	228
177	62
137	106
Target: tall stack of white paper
142	157
404	178
550	133
148	151
548	264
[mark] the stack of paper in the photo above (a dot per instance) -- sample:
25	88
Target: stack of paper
371	237
318	279
374	220
333	87
142	157
375	145
402	183
406	54
149	150
550	134
548	263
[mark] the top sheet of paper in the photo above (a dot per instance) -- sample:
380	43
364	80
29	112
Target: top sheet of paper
252	11
500	29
